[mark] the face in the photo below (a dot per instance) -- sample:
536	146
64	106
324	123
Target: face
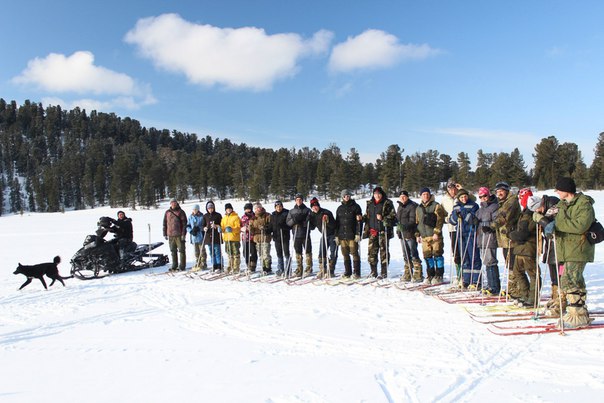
425	196
121	216
278	208
377	196
564	195
258	210
229	211
315	208
501	194
173	204
404	198
452	190
483	197
346	198
463	199
299	201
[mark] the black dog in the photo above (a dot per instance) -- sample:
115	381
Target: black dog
39	270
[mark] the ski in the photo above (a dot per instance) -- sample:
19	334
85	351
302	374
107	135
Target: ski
302	280
541	330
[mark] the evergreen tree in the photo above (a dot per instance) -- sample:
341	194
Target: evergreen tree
596	170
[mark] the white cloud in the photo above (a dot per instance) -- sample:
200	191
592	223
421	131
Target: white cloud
243	58
375	49
78	74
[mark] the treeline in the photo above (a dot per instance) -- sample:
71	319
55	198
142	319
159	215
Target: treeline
53	159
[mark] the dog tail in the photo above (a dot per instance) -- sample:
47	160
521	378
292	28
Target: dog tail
57	260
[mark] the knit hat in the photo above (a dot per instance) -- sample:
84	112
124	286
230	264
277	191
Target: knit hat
314	202
566	184
424	190
523	195
462	192
299	196
404	193
278	203
484	191
248	206
533	203
118	213
346	192
503	186
210	205
228	206
173	200
196	207
257	205
451	184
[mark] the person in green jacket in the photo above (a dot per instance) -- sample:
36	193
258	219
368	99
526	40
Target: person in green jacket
574	217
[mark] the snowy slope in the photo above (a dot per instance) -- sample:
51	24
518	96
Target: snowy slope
133	337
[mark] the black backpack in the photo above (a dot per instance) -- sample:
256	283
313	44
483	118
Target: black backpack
595	233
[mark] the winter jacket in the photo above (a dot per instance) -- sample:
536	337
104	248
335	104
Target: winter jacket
261	227
246	221
448	203
486	214
175	222
231	227
316	221
347	226
426	212
572	221
525	235
212	232
281	230
195	228
506	219
463	217
405	215
386	208
297	218
122	228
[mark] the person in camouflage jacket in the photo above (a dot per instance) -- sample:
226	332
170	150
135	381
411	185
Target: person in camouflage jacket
430	217
379	220
261	229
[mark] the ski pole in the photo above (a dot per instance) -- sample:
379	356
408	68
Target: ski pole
559	284
306	244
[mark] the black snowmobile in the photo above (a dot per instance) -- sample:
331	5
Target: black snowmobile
99	258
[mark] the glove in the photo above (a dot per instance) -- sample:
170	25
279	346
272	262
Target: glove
243	230
205	229
399	234
373	232
458	213
357	238
183	238
549	229
166	237
325	218
551	212
337	240
228	230
486	229
195	230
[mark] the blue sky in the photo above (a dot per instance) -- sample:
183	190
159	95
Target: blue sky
447	75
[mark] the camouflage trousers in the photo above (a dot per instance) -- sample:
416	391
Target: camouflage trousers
231	248
432	248
264	254
201	257
349	249
571	277
378	244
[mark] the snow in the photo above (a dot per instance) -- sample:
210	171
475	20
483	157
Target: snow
132	337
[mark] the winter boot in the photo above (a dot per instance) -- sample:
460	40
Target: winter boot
279	266
576	312
347	268
493	279
321	267
332	268
356	265
554	298
437	280
308	270
298	272
373	270
555	309
418	276
406	273
384	270
321	274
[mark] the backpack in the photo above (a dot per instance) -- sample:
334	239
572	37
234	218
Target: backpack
595	233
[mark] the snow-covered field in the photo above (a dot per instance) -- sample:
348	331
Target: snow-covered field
137	338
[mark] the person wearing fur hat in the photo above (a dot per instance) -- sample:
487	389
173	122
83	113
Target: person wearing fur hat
323	220
575	216
543	209
195	230
430	218
213	234
348	234
464	218
175	231
379	220
231	235
526	269
297	219
281	238
504	222
448	202
250	254
261	229
487	240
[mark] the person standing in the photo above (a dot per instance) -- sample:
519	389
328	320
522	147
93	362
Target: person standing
323	220
448	202
212	235
575	216
231	230
504	222
297	219
281	237
348	234
464	218
379	219
175	231
249	248
261	229
196	237
430	218
487	240
405	230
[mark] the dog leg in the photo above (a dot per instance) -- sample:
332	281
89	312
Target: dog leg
26	282
43	282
